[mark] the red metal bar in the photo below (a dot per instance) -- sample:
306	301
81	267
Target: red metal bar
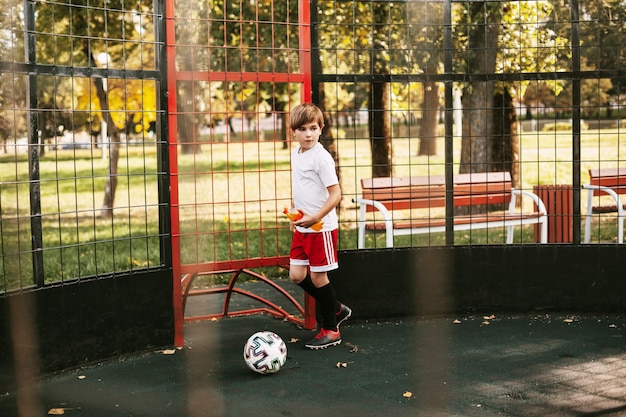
179	340
184	275
272	308
241	76
304	16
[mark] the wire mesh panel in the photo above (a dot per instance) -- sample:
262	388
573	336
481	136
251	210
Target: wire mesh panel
239	69
236	70
444	88
428	89
81	176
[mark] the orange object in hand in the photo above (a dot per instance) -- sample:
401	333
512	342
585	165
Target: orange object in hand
295	214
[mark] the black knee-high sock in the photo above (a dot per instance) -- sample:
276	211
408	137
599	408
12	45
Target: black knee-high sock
307	285
337	304
327	302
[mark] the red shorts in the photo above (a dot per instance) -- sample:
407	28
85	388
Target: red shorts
316	250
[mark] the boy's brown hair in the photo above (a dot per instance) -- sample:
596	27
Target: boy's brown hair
304	114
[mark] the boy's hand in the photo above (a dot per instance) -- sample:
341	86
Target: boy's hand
309	221
306	221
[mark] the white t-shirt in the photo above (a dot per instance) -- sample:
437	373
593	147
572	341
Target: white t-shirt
312	172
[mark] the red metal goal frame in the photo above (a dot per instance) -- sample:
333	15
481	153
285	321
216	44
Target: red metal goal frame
185	274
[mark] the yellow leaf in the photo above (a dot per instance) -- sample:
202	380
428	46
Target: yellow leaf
294	340
168	351
457	321
407	394
81	377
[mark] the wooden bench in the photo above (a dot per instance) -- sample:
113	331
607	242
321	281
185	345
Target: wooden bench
611	182
428	192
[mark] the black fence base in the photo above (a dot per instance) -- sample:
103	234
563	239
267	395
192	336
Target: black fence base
442	281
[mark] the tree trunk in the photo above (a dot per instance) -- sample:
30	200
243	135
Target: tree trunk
114	142
477	126
114	151
379	115
327	138
430	119
478	95
505	143
186	127
380	130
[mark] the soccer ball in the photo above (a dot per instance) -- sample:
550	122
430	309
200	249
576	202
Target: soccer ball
265	352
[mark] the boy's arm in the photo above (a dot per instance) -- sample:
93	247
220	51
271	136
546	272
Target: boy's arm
334	197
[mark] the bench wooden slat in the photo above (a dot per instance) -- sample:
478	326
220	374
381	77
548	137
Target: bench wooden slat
426	192
463	181
458	220
460	190
383	194
406	202
606	209
614	178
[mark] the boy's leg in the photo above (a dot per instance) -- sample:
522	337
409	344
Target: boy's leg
329	334
326	300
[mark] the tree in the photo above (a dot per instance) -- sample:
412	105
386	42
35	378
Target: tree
603	35
114	21
427	45
483	30
500	37
12	87
379	116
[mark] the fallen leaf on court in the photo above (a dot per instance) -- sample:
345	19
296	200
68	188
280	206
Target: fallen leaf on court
353	348
486	323
294	340
168	351
407	394
58	411
342	364
568	321
81	377
457	321
214	319
489	317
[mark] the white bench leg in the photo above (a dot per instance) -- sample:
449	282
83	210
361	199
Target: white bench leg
620	227
361	232
509	234
509	229
588	216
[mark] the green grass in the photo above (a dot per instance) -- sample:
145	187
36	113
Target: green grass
230	199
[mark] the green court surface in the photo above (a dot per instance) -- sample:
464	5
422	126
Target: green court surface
471	365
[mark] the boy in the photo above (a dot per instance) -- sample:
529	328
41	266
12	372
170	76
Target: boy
316	192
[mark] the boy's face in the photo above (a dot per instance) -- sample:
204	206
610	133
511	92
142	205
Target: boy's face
307	135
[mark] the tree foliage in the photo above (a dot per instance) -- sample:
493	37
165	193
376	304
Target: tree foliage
77	35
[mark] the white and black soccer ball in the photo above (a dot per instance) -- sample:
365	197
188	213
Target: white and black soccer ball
265	352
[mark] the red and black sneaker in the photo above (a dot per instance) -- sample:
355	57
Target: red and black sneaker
344	314
324	339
